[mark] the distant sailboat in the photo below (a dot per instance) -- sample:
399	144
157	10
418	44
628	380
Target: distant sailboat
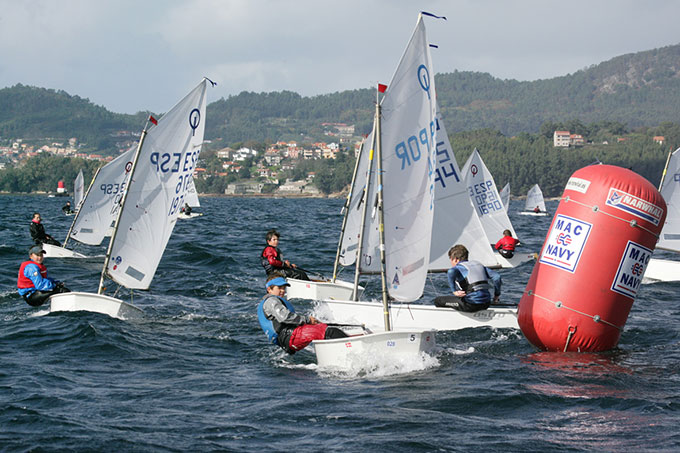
159	175
662	270
192	200
505	196
535	204
78	190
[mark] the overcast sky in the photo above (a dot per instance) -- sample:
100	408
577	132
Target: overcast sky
132	55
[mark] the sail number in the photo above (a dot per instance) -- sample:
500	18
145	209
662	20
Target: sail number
174	163
485	197
409	150
113	188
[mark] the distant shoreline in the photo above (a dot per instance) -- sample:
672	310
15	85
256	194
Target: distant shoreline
215	195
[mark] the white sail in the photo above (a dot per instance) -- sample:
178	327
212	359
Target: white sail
350	240
485	198
99	209
455	221
158	190
535	199
670	190
505	196
78	190
408	160
192	195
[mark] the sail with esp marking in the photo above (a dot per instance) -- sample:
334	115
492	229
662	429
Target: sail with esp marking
158	190
99	208
485	198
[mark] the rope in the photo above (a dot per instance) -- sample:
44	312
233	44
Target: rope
559	304
596	209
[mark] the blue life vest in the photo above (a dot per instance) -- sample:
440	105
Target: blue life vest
267	324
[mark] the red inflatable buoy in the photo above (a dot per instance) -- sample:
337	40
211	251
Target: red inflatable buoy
592	262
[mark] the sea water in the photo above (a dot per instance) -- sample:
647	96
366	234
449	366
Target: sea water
195	373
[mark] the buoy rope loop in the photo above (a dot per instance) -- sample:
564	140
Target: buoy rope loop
560	304
632	223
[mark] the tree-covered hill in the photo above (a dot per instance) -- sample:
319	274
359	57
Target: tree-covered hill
639	89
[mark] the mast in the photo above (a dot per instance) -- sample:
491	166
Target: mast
665	168
381	222
120	211
345	210
68	235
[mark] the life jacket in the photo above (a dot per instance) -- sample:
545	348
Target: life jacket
477	278
266	323
24	282
268	268
507	243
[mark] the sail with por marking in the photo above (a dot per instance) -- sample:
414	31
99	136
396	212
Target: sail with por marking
408	159
670	190
455	221
485	198
99	209
158	191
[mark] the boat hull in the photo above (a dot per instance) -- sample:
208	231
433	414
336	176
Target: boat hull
659	270
54	251
413	317
537	214
193	215
354	352
517	259
320	290
96	303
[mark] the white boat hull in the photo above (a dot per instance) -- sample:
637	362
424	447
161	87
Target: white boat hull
659	270
537	214
320	290
356	352
96	303
54	251
193	215
413	317
517	259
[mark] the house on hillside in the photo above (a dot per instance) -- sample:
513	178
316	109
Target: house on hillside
561	139
660	139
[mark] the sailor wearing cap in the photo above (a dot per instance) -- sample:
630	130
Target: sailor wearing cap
33	283
283	326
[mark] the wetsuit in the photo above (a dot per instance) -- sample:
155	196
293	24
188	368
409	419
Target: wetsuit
291	331
39	236
473	278
506	246
35	286
272	261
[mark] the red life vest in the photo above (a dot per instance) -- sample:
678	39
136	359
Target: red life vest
507	243
24	282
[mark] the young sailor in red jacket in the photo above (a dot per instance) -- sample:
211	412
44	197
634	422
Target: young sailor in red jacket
33	283
506	245
273	262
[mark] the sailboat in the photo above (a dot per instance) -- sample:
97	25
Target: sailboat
160	172
192	200
398	170
489	209
535	205
505	196
663	270
98	209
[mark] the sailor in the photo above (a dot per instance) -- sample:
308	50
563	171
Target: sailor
273	262
283	326
537	210
506	245
186	209
33	283
469	282
67	208
38	232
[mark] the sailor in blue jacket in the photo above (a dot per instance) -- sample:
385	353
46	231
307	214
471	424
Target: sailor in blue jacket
33	283
470	283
